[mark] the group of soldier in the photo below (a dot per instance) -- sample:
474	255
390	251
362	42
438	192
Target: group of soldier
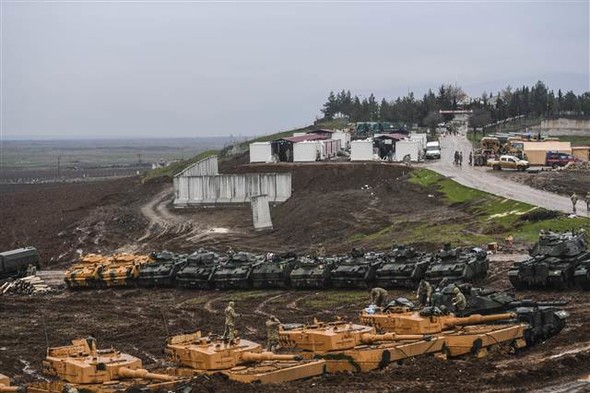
426	296
574	198
272	327
458	159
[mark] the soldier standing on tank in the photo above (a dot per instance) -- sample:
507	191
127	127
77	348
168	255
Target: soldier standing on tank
574	199
378	296
272	333
321	251
424	293
459	301
230	322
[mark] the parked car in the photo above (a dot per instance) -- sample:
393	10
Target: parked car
432	150
555	159
508	162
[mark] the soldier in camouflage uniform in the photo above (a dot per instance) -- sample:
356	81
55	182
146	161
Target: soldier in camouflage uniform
574	199
459	301
272	333
230	319
424	293
378	296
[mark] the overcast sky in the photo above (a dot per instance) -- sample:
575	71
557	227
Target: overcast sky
161	69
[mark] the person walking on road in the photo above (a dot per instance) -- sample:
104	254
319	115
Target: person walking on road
470	158
574	199
460	158
587	200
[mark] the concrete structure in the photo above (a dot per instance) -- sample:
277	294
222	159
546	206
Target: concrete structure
536	151
260	212
408	147
361	150
200	184
260	152
207	166
307	151
560	127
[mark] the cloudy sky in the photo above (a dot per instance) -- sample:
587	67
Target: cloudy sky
182	69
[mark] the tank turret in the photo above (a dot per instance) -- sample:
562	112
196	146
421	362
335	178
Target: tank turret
404	267
240	359
274	272
553	261
123	270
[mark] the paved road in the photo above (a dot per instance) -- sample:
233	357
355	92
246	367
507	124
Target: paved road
481	179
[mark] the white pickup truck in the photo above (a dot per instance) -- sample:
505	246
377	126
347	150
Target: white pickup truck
432	150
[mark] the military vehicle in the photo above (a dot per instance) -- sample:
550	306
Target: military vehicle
357	271
6	388
313	273
553	260
83	367
239	359
15	262
198	270
234	272
161	272
582	275
122	270
404	267
274	272
458	265
86	273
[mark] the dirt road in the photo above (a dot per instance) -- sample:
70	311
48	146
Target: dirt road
480	178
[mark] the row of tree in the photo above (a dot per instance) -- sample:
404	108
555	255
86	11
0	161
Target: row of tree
535	101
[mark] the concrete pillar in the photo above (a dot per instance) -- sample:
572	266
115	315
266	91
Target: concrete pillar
260	212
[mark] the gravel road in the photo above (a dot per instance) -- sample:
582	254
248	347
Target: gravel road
480	178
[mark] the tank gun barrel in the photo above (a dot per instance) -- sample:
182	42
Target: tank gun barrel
10	389
126	372
372	338
477	318
260	356
532	303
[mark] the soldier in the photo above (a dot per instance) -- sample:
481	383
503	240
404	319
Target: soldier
230	319
436	300
272	333
470	158
574	199
31	270
460	158
378	296
424	293
459	301
587	200
321	251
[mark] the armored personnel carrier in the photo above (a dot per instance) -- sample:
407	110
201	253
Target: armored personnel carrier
313	273
234	272
553	260
274	272
86	273
198	270
404	267
239	359
83	367
161	272
582	275
458	265
122	270
357	270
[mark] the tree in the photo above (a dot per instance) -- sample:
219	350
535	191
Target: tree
330	108
479	118
432	120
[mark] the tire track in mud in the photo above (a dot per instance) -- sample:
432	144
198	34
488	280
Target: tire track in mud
209	305
263	304
293	304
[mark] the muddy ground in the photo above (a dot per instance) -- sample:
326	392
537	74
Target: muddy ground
557	181
330	204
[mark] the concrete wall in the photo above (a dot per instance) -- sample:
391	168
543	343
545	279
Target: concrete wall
564	127
200	190
260	152
307	151
361	150
413	148
207	166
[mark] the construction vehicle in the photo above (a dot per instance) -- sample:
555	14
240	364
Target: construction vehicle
553	261
15	262
404	267
234	273
122	270
458	265
161	272
86	273
239	359
83	367
198	270
357	271
313	273
274	272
